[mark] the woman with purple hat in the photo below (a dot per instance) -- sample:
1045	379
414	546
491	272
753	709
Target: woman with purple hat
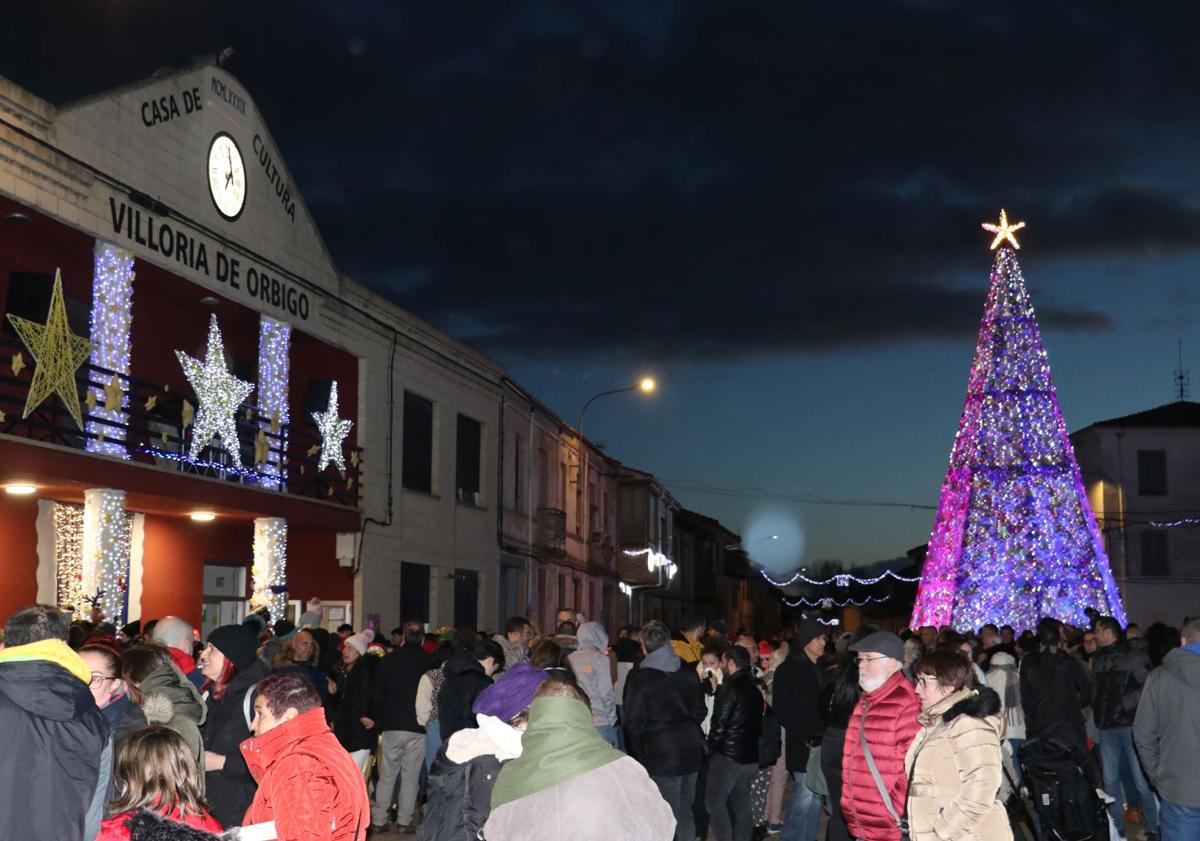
465	770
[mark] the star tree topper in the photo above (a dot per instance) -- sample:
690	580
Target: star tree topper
333	431
1003	231
219	393
58	353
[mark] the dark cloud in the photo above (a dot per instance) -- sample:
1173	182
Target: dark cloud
696	179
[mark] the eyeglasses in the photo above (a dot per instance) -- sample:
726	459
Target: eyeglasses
99	679
862	660
927	682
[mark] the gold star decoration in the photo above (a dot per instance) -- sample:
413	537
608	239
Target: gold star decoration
151	402
113	395
220	394
187	414
333	432
18	363
3	417
260	447
90	400
58	353
1003	231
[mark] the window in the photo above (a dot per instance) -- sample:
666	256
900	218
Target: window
517	468
468	453
1152	472
417	466
414	592
466	598
1154	551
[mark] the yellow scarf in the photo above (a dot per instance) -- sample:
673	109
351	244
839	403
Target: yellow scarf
52	651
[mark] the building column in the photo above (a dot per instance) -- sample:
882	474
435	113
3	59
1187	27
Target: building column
106	550
268	575
112	314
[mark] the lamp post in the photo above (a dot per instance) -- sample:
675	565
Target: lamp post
646	386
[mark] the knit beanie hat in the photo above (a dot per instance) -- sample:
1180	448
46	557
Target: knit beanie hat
285	629
237	642
360	641
512	692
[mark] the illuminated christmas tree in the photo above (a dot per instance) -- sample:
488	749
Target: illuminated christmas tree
1015	539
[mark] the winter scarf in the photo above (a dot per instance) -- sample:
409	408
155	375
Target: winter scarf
560	744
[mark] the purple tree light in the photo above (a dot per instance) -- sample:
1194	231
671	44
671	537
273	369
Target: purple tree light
1014	539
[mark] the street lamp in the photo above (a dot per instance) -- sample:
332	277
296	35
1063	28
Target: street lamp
646	385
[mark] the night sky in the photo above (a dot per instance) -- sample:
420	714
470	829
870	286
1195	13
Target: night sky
773	207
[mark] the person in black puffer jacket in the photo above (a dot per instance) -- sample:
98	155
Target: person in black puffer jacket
1054	690
733	740
664	705
1119	672
468	673
231	666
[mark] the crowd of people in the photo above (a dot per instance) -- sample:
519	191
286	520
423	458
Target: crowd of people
289	731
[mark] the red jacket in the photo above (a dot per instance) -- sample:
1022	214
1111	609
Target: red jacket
891	725
307	783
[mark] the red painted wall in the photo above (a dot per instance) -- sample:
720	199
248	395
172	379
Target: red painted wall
173	557
18	572
312	568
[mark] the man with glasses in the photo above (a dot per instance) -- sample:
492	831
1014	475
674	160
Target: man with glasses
880	731
515	640
796	689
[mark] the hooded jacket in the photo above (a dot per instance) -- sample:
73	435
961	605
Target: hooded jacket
54	736
465	680
889	715
171	699
514	652
307	783
664	705
1118	673
231	788
568	783
593	669
1054	690
954	767
1166	729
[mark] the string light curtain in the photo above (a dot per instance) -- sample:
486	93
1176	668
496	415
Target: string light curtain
1014	539
112	312
269	571
68	558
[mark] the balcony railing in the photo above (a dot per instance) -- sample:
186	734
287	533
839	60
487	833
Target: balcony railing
153	433
552	532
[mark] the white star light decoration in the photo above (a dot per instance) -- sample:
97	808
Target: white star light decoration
333	431
1003	231
220	395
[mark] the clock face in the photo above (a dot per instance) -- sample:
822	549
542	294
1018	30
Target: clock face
226	176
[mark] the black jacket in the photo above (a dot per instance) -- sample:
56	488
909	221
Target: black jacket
737	719
53	736
231	789
459	797
1054	690
663	711
354	703
796	693
394	689
1118	674
465	680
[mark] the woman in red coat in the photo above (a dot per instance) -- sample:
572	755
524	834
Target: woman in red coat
160	776
307	783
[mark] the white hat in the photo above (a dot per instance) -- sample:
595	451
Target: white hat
360	641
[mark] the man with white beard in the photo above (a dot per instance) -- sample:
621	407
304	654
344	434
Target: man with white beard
880	731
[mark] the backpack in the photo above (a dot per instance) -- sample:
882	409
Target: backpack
1061	785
